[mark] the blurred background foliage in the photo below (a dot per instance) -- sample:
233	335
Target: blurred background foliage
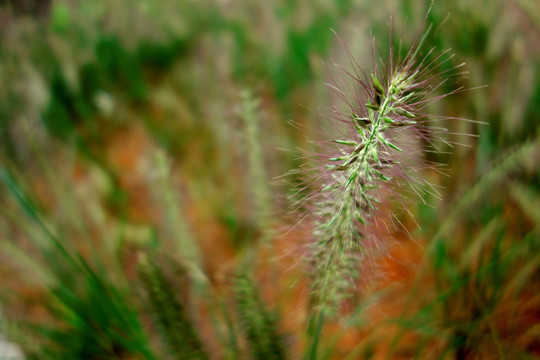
138	140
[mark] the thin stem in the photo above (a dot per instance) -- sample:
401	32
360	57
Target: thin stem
316	323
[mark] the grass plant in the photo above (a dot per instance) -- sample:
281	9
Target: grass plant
353	177
132	168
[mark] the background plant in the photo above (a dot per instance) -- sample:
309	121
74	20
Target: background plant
87	100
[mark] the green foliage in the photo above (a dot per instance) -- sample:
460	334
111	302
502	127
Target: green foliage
99	323
95	320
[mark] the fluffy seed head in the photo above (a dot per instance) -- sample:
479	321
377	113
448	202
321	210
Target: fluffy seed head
366	162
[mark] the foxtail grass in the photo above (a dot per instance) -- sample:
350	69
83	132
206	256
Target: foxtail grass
366	161
257	172
170	313
258	323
